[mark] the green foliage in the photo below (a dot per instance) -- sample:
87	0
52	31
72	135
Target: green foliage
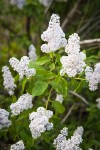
18	29
58	107
39	88
60	85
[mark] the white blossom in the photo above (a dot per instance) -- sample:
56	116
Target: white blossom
18	146
61	143
4	121
59	98
54	36
73	46
8	80
32	52
46	3
98	102
93	77
40	122
18	3
22	66
24	102
73	64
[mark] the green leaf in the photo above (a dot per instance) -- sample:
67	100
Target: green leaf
43	74
64	86
58	106
52	66
39	88
60	85
43	60
24	83
35	65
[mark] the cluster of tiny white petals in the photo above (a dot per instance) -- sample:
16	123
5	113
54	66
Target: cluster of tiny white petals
53	35
40	122
73	46
59	98
18	146
32	53
22	66
46	3
8	80
93	77
18	3
4	121
73	64
98	101
24	102
60	143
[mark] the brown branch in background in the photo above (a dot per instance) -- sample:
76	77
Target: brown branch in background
87	5
79	96
47	8
28	24
70	15
8	27
94	18
90	29
68	114
90	42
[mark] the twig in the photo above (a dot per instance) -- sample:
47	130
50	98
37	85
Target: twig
67	115
48	98
89	22
90	42
47	9
91	29
79	96
28	24
84	16
7	26
70	14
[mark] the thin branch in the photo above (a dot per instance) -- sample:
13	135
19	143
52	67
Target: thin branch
79	96
68	114
47	9
28	24
90	42
84	15
90	30
70	14
8	27
88	23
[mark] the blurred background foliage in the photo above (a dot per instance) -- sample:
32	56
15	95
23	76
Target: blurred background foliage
21	27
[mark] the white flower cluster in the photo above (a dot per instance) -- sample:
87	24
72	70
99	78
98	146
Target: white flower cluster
8	80
61	143
46	3
23	103
98	101
32	53
40	122
18	146
73	64
18	3
4	121
53	35
59	98
93	77
73	46
22	66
